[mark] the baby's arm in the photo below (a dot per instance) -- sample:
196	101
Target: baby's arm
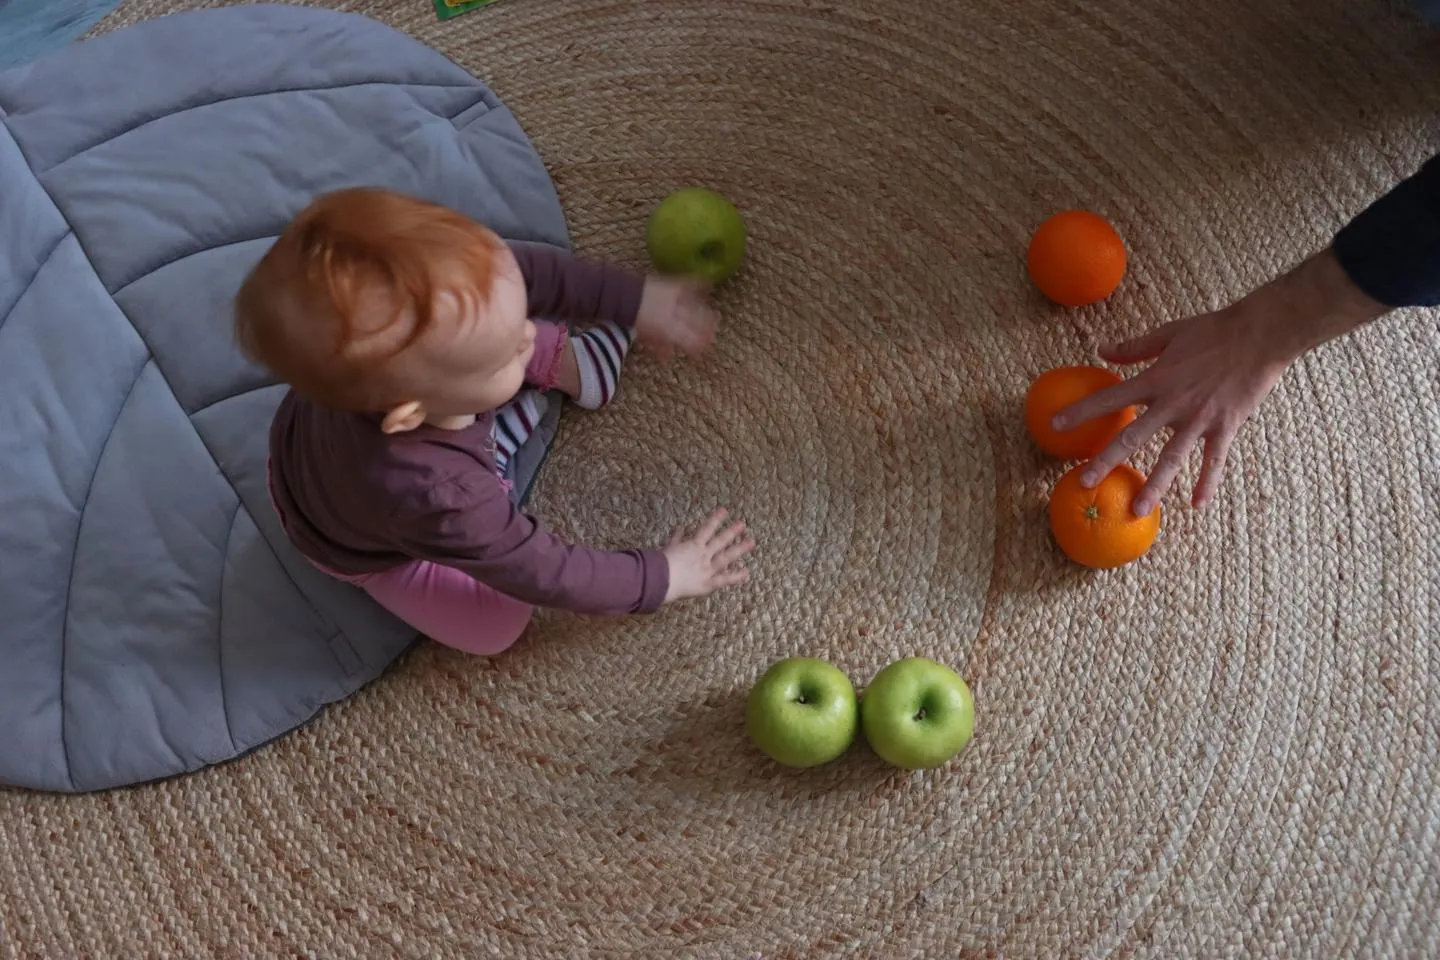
667	314
467	525
562	286
470	524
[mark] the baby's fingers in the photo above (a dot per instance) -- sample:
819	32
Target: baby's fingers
711	527
729	578
734	554
723	538
696	330
697	288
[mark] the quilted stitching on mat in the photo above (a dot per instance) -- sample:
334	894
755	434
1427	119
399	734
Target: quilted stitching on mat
155	618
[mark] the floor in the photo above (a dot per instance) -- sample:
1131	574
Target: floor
1227	749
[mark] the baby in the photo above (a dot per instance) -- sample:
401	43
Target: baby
405	333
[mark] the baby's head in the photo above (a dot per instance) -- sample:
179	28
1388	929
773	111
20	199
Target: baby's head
381	303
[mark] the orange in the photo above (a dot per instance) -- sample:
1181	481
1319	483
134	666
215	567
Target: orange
1053	391
1097	528
1076	258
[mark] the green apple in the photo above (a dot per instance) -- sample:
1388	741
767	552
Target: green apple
802	712
917	713
697	233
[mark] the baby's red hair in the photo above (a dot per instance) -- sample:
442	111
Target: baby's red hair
359	251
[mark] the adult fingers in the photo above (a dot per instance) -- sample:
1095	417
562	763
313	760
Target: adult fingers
1145	347
1172	458
1122	395
1212	471
1132	438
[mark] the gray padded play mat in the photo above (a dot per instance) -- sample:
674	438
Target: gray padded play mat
153	619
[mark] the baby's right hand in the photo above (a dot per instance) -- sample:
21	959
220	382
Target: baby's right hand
709	560
676	315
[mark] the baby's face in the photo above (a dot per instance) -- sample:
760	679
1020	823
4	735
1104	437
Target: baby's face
475	356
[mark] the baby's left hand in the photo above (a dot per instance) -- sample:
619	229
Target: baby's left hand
675	314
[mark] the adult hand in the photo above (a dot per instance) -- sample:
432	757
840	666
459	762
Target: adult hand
1212	371
676	315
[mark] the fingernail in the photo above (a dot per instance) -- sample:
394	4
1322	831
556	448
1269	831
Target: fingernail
1060	423
1090	477
1143	508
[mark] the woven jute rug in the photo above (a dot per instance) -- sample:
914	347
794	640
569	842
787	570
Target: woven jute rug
1228	749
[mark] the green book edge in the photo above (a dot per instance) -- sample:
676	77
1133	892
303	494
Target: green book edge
445	12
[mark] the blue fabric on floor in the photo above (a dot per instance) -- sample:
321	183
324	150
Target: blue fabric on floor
154	617
33	28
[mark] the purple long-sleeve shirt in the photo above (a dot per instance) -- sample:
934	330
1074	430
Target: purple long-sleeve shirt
356	500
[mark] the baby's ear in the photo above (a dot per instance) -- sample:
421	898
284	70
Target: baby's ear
407	416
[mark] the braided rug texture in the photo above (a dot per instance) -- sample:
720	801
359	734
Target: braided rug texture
1228	749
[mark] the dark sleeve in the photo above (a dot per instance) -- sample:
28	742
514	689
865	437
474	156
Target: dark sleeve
473	526
563	286
1392	249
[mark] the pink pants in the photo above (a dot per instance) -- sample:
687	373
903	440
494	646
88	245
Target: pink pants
447	605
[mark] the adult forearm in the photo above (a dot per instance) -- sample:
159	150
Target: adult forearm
1315	302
